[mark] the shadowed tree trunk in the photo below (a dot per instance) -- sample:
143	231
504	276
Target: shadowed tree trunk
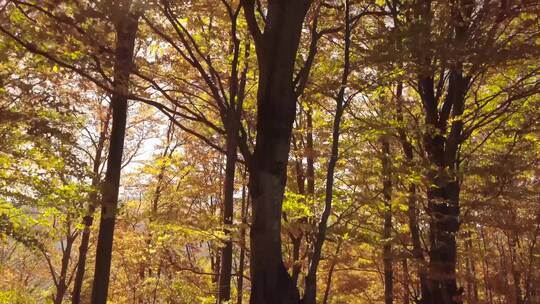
126	31
443	192
472	288
62	281
241	262
92	204
276	108
331	273
387	229
228	209
412	213
443	200
232	121
442	138
310	293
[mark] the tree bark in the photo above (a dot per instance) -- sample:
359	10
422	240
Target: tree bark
228	209
126	31
443	192
62	284
326	296
241	262
387	230
276	108
472	288
412	213
88	219
441	143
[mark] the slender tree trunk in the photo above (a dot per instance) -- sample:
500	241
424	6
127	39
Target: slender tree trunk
418	251
472	288
387	230
296	238
310	153
310	293
126	31
232	122
276	108
228	210
61	286
241	262
296	267
89	218
513	242
482	246
331	273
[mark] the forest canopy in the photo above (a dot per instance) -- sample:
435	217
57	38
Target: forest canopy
270	151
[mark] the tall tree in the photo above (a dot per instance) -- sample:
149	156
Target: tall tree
276	50
126	25
342	100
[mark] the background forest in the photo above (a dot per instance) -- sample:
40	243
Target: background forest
270	151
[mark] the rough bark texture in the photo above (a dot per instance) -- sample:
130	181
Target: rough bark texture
276	108
126	31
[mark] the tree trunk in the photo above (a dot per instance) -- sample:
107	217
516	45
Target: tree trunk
89	218
276	109
406	282
228	209
417	252
126	31
443	208
331	273
310	293
472	288
443	192
441	142
241	262
310	154
387	230
61	286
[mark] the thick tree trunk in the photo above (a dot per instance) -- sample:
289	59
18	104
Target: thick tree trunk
442	139
387	229
228	208
276	109
406	282
444	209
443	192
88	219
126	31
